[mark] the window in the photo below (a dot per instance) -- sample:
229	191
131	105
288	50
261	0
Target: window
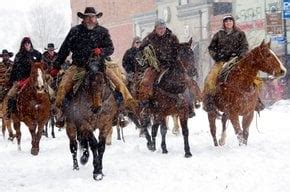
183	2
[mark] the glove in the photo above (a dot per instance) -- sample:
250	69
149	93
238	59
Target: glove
98	51
53	72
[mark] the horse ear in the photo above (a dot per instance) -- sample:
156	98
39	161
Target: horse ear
190	41
263	42
269	44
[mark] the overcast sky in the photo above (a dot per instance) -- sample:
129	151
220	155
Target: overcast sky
14	19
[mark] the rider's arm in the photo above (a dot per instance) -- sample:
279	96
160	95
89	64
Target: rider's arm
244	45
64	49
107	45
212	48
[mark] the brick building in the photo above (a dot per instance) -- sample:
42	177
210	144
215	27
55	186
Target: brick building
117	17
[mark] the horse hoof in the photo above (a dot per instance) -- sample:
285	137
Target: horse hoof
175	132
221	143
187	155
34	151
98	176
164	151
84	158
76	167
151	147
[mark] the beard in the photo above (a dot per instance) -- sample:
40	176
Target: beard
90	26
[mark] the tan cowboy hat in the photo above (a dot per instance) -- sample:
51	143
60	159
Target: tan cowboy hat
50	47
89	11
5	52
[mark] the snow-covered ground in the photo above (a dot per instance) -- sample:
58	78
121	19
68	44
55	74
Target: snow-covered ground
263	165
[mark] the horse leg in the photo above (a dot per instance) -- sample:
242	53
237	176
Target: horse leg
32	129
109	137
52	125
222	140
163	131
183	122
3	127
72	134
238	131
247	120
175	130
45	129
211	119
154	130
16	125
84	147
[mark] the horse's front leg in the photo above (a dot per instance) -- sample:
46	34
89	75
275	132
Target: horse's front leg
154	130
52	125
222	140
185	133
163	131
72	134
84	144
247	120
16	125
211	119
238	131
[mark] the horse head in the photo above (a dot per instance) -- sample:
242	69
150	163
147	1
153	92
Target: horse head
268	60
38	77
186	57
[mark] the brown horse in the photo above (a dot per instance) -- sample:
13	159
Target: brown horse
81	122
33	107
236	94
171	97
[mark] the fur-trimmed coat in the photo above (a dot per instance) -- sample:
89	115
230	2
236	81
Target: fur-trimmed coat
81	42
166	47
225	45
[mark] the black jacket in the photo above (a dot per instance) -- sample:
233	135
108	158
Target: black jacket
22	64
129	61
81	42
166	47
225	45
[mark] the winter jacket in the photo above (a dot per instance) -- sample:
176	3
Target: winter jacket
81	42
22	64
225	45
129	61
166	47
48	60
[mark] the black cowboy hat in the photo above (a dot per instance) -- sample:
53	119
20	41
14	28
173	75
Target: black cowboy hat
50	47
89	11
5	52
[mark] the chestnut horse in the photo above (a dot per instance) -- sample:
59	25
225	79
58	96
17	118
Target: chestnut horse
81	122
236	94
171	97
33	107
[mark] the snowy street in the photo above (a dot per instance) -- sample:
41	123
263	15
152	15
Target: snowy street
263	165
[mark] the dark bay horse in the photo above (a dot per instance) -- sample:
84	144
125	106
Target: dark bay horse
236	94
171	98
81	122
33	107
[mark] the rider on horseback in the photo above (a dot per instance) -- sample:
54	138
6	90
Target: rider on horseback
165	45
84	41
5	68
228	43
21	70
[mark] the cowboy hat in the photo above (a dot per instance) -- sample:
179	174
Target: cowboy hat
89	11
5	52
50	47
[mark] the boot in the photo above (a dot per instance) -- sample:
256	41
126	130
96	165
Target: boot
259	106
11	106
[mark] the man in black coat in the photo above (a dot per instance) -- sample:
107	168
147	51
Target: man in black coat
84	41
21	70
